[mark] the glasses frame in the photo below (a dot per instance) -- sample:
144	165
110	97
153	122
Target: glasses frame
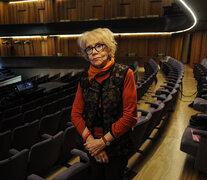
94	47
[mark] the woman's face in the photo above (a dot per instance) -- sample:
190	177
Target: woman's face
98	59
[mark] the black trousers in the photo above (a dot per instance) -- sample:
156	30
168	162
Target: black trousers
114	170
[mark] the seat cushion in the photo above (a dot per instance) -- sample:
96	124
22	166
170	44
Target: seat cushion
188	145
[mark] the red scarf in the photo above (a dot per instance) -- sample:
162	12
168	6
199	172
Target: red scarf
93	71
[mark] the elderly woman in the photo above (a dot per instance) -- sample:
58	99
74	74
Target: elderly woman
105	106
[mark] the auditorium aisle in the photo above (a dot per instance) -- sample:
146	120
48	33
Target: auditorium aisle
164	160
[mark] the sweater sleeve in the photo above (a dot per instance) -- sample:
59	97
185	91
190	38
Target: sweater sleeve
77	110
129	96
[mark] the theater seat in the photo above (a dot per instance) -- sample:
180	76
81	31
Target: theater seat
79	170
14	167
43	155
196	148
5	143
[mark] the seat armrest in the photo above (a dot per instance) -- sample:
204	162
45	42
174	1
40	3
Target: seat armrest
45	136
167	87
13	151
144	112
200	132
34	177
80	153
202	116
171	80
159	97
169	83
68	124
163	91
204	96
153	104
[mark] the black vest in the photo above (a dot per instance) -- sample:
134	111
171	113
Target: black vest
110	93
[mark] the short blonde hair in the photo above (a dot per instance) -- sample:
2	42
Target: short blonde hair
102	34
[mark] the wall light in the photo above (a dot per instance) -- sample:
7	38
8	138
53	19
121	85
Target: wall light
6	42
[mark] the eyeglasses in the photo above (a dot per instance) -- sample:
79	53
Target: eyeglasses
98	47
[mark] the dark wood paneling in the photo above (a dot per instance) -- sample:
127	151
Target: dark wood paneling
203	46
176	47
155	8
76	10
196	48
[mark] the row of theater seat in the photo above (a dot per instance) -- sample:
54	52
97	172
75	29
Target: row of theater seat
194	138
48	151
17	117
200	74
9	96
162	106
150	73
39	100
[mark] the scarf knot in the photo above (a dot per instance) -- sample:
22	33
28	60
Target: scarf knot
93	71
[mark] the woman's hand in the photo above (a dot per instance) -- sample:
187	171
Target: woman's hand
102	157
94	146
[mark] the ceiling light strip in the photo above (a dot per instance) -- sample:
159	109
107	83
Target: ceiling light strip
22	37
24	1
193	15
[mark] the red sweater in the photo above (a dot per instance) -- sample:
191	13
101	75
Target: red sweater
129	96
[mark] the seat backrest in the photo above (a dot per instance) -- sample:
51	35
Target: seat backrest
69	142
12	122
5	143
14	167
154	120
44	154
65	117
11	112
139	129
49	108
32	114
26	135
28	106
49	124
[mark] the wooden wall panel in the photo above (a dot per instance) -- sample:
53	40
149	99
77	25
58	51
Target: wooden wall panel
203	53
129	48
4	14
5	48
166	3
89	9
31	12
43	46
37	46
176	47
144	8
196	48
153	47
51	47
98	12
70	10
164	45
75	10
155	8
